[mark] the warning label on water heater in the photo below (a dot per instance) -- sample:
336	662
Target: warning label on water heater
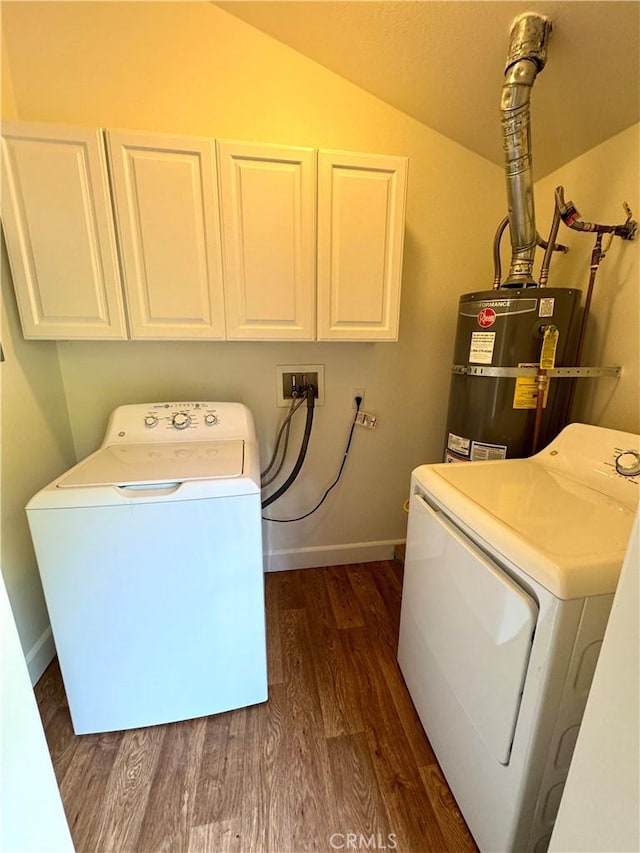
458	444
546	307
481	350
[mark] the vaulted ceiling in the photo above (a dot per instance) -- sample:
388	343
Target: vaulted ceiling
442	62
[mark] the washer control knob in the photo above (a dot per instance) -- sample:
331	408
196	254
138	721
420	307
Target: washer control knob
181	420
151	421
211	420
628	463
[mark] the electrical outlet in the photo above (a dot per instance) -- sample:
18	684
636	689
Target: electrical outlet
290	379
366	420
357	392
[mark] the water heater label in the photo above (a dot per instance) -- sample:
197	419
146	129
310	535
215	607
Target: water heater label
481	350
525	395
483	452
458	444
546	307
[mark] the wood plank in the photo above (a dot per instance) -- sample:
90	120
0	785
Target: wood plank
128	788
360	807
49	692
298	805
171	793
274	651
446	810
219	788
343	599
61	740
408	807
265	736
387	576
371	604
84	786
338	699
288	589
223	836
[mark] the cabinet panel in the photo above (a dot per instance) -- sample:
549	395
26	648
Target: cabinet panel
268	226
56	215
165	196
361	211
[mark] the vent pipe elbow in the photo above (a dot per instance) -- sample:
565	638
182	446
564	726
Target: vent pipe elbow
527	57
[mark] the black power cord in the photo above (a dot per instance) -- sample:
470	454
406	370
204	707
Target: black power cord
335	482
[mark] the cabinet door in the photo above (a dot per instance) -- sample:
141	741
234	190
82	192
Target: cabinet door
361	211
165	196
56	215
268	197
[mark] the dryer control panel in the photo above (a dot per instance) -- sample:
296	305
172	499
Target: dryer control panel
628	463
607	460
179	421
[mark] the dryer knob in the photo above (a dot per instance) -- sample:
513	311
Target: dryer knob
210	420
181	420
628	463
151	421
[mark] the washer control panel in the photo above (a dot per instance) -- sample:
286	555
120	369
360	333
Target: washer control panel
183	421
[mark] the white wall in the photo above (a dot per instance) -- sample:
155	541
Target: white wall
32	819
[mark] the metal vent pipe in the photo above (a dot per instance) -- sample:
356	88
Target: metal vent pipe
527	57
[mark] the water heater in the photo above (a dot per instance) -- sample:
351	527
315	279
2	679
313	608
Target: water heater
492	416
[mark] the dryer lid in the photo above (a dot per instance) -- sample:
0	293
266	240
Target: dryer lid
564	534
156	464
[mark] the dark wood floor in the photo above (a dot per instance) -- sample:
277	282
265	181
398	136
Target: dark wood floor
335	760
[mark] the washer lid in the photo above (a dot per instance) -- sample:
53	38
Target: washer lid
155	464
569	537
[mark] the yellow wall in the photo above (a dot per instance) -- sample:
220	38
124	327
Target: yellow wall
8	100
36	447
598	183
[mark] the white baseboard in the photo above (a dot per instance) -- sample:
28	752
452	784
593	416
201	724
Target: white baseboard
40	655
329	555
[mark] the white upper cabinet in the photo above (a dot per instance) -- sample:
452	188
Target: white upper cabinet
56	215
165	198
183	238
268	203
361	213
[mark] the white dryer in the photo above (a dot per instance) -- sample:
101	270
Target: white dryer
150	556
510	572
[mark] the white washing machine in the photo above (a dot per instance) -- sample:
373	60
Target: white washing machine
510	572
150	556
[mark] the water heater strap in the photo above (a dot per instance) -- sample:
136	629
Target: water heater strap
516	372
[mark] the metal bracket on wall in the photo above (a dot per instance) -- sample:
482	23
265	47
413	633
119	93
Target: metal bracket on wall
532	372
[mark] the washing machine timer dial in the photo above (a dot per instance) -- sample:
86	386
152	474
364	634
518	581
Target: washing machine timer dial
628	463
181	420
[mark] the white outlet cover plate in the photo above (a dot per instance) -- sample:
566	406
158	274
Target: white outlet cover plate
299	368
